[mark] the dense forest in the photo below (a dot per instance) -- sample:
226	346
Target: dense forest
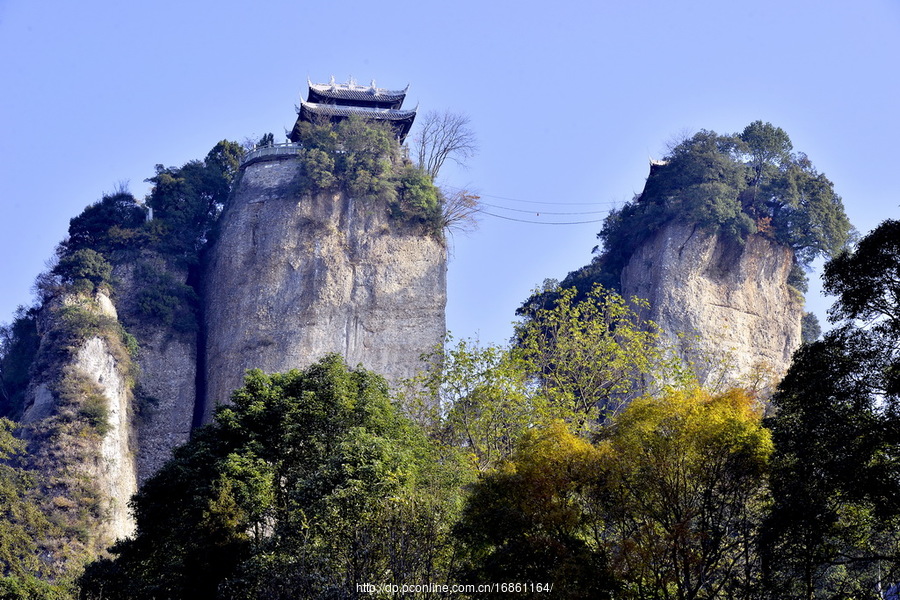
580	461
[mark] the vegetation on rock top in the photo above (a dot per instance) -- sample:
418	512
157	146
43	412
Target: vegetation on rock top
735	185
364	159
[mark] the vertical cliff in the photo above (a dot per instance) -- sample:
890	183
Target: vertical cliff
724	304
165	387
78	420
292	276
112	394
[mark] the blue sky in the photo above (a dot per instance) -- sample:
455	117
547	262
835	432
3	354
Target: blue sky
568	99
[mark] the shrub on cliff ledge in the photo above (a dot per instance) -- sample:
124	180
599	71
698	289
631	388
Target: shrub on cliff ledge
363	159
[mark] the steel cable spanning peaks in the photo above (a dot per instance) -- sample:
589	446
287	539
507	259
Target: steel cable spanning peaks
539	213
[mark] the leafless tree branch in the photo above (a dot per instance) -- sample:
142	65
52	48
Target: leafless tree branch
441	136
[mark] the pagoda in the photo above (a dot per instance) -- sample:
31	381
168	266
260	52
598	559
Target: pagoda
337	101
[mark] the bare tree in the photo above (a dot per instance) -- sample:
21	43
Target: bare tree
443	135
459	211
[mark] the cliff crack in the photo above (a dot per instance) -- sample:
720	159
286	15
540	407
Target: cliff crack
693	231
746	312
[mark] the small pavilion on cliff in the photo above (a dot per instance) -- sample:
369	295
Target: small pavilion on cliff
337	101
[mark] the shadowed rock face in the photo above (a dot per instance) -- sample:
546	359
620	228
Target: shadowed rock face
293	276
730	301
167	371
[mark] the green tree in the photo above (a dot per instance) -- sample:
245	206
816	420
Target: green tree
363	158
867	280
810	330
84	269
477	399
187	200
591	357
356	155
767	145
106	227
683	482
417	198
293	491
833	527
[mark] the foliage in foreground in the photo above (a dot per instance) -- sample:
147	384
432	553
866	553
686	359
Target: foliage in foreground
591	355
310	483
666	504
684	486
834	528
578	362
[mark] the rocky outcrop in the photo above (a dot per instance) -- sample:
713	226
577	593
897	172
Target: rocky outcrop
724	305
165	389
293	276
78	420
290	278
114	471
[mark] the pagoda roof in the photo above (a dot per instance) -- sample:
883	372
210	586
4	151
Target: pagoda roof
337	110
400	120
352	92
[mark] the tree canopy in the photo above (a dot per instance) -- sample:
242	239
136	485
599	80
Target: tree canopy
363	158
664	505
187	200
735	185
591	356
834	528
683	488
298	489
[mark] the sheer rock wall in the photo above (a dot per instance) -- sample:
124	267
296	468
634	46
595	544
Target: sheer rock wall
165	387
293	276
94	465
725	306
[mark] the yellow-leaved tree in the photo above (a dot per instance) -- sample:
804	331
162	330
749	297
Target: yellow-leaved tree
684	482
529	521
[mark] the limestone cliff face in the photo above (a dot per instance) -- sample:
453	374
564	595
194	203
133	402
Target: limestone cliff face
78	420
730	302
289	278
293	276
115	471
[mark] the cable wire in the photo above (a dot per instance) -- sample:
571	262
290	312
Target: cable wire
539	222
591	212
535	202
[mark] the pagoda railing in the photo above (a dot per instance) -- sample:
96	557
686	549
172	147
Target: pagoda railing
289	149
259	152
